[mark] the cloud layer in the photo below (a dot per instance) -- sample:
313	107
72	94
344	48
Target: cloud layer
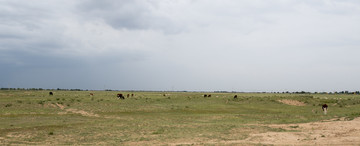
181	45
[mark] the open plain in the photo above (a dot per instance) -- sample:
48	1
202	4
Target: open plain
177	118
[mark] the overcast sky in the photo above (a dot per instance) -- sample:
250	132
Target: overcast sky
194	45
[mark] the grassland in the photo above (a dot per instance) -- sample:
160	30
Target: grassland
150	118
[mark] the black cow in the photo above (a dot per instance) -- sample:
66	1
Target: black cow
50	93
120	96
235	96
324	107
209	95
205	95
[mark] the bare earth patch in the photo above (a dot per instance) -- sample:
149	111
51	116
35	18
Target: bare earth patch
336	132
76	111
84	113
330	132
292	102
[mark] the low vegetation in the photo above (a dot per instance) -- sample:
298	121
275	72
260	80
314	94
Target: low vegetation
75	117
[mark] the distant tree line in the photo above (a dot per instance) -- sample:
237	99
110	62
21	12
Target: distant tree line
42	89
336	92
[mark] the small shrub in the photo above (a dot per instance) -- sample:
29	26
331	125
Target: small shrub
57	98
349	118
19	101
41	102
51	133
8	105
159	131
143	139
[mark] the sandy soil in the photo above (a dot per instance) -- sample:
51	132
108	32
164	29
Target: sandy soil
292	102
76	111
332	132
84	113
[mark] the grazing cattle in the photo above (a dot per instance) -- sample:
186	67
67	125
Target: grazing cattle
235	96
205	95
209	95
91	94
127	95
324	108
120	96
132	95
50	93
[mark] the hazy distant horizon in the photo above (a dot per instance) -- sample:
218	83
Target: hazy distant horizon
187	45
195	91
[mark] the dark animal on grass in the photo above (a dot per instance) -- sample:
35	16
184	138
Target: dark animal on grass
128	95
120	96
50	93
205	95
235	96
324	108
132	95
209	95
91	94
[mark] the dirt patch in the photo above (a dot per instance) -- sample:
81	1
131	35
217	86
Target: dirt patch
50	105
333	132
329	132
76	111
83	113
60	106
292	102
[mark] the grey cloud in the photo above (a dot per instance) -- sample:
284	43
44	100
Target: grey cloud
128	14
23	14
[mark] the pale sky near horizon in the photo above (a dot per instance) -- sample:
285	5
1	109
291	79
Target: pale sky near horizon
194	45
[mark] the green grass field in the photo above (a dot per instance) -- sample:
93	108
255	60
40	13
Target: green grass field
149	118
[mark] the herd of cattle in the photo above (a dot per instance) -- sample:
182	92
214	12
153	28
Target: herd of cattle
121	96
